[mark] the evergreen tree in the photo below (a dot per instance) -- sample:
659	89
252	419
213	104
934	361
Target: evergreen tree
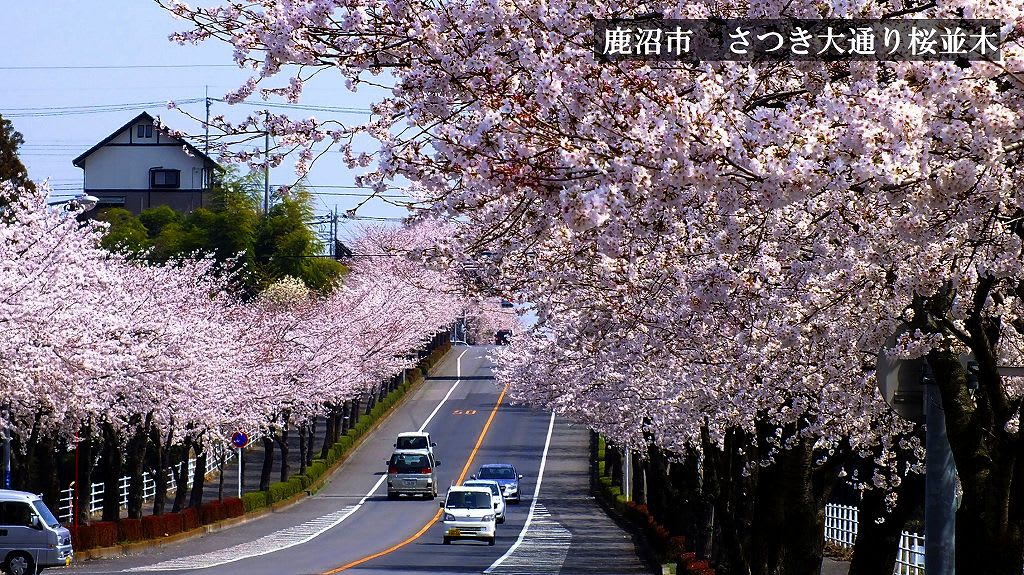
11	168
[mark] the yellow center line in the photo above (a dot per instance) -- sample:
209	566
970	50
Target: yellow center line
437	514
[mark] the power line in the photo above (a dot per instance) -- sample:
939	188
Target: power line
312	108
118	67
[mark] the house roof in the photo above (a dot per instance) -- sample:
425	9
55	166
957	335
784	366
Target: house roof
143	116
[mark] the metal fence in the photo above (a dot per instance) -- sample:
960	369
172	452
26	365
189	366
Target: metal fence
841	529
66	507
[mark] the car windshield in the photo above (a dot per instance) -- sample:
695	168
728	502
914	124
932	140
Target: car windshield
468	500
44	514
409	462
492	486
496	473
416	442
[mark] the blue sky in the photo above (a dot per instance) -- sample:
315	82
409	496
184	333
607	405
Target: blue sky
59	57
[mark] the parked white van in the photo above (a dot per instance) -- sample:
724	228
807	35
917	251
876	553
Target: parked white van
31	538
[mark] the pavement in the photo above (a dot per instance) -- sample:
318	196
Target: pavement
833	567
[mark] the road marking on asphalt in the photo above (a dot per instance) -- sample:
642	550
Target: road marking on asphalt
292	536
541	551
533	515
437	514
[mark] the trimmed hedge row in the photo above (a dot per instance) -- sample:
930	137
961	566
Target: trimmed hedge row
672	549
283	490
107	534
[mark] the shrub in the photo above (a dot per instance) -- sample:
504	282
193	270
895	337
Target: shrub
345	443
295	485
304	481
99	534
317	469
234	507
211	512
353	433
282	490
173	522
254	500
129	530
189	519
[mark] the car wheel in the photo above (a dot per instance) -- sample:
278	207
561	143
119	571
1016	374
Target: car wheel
490	541
392	495
447	541
19	564
501	519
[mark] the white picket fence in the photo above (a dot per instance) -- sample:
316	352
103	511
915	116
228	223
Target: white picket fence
841	529
148	485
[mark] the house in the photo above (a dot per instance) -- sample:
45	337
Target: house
140	166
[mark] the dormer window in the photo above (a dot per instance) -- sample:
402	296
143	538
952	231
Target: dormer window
144	131
161	178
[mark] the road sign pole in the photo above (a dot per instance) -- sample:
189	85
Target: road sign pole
239	472
940	486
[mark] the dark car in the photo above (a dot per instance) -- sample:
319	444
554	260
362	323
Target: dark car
506	476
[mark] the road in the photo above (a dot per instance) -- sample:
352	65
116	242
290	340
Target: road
350	526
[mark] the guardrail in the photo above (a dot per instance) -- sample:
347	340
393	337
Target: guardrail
66	507
841	529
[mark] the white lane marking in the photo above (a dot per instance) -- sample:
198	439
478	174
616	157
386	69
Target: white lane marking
458	378
534	514
291	536
543	549
275	541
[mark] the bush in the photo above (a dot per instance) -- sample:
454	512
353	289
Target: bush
189	519
211	512
129	530
281	490
304	481
156	526
173	523
99	534
345	443
254	500
317	469
234	507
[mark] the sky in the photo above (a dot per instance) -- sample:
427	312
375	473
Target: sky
72	72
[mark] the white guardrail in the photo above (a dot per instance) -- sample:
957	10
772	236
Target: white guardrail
841	529
148	486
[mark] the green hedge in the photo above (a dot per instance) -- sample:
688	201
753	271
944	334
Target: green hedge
254	500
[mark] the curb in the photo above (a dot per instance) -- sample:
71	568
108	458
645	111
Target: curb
136	546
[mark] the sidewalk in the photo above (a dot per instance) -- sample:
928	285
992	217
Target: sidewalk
833	567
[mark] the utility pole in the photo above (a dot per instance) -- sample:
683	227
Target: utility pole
206	148
266	164
940	483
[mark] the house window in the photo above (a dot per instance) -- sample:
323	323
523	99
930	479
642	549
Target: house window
144	131
159	178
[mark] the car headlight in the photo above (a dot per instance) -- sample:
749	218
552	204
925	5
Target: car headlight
449	517
489	517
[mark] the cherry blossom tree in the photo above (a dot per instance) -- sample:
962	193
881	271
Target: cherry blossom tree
724	246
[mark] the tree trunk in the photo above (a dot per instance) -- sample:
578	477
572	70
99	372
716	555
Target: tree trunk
161	462
268	462
353	416
135	463
309	442
198	477
878	543
83	485
180	472
48	483
328	432
282	443
302	448
111	474
220	480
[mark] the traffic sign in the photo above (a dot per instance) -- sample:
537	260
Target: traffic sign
239	439
899	381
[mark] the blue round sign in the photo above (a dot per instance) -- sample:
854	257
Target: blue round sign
240	439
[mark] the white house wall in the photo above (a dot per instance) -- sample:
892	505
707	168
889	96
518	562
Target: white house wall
126	167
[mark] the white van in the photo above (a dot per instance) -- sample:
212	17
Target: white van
31	538
468	514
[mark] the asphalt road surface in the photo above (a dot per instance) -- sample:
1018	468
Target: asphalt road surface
351	526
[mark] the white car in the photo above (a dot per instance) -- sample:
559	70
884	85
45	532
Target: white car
496	497
468	514
415	440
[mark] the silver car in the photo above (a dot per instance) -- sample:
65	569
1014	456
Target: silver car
31	538
412	472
